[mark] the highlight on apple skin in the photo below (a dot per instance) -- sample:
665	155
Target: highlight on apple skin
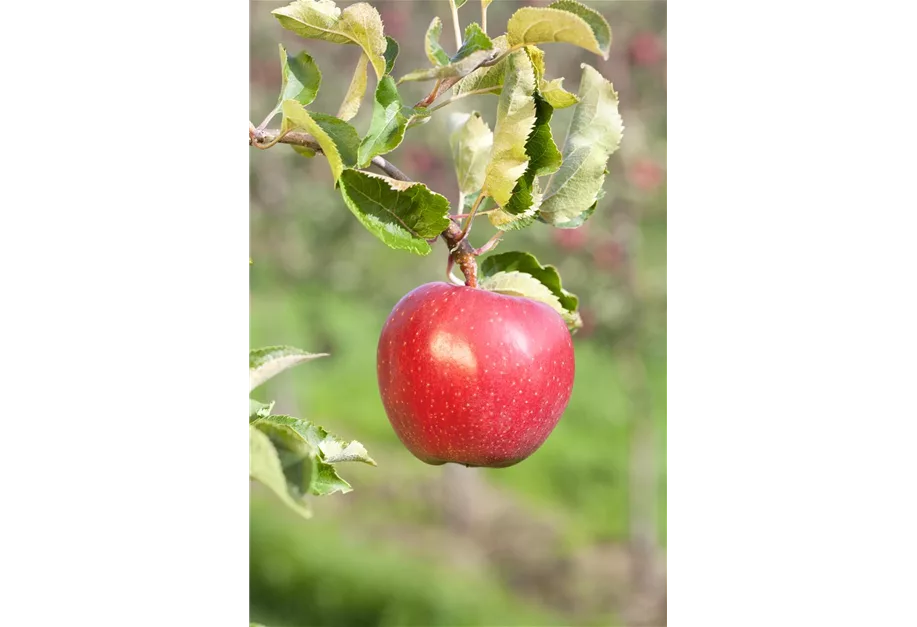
473	377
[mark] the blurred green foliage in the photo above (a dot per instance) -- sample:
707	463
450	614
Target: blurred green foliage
391	553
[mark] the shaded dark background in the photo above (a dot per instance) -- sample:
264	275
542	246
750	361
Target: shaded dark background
576	534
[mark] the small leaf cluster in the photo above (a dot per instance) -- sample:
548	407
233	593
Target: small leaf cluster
293	457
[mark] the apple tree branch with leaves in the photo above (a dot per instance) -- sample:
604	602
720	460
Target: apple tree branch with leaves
476	369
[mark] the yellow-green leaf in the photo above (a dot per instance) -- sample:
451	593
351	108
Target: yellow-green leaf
515	120
265	468
500	272
595	133
489	80
486	79
358	24
476	49
387	126
524	285
565	21
265	363
301	77
434	50
558	97
544	158
471	143
295	117
355	92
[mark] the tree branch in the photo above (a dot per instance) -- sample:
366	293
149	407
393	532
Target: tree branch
460	250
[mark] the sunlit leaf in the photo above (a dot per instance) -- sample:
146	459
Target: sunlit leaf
595	133
515	120
265	467
486	79
354	96
476	49
471	143
358	24
386	129
302	439
544	158
513	260
432	47
257	409
268	362
336	138
564	21
525	285
555	94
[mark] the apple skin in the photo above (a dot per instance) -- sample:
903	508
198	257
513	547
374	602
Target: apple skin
473	377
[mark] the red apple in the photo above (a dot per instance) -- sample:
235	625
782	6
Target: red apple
473	377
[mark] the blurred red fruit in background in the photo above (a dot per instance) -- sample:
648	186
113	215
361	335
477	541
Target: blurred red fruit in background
645	174
646	49
570	239
608	256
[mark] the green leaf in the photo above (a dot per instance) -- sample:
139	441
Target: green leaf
265	467
475	40
595	133
459	3
358	24
356	91
489	80
486	79
345	137
303	150
304	439
434	50
301	78
558	97
515	120
525	285
544	158
552	91
511	261
597	23
386	129
564	21
391	53
327	133
265	363
403	215
477	49
298	458
578	221
471	143
257	409
485	3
